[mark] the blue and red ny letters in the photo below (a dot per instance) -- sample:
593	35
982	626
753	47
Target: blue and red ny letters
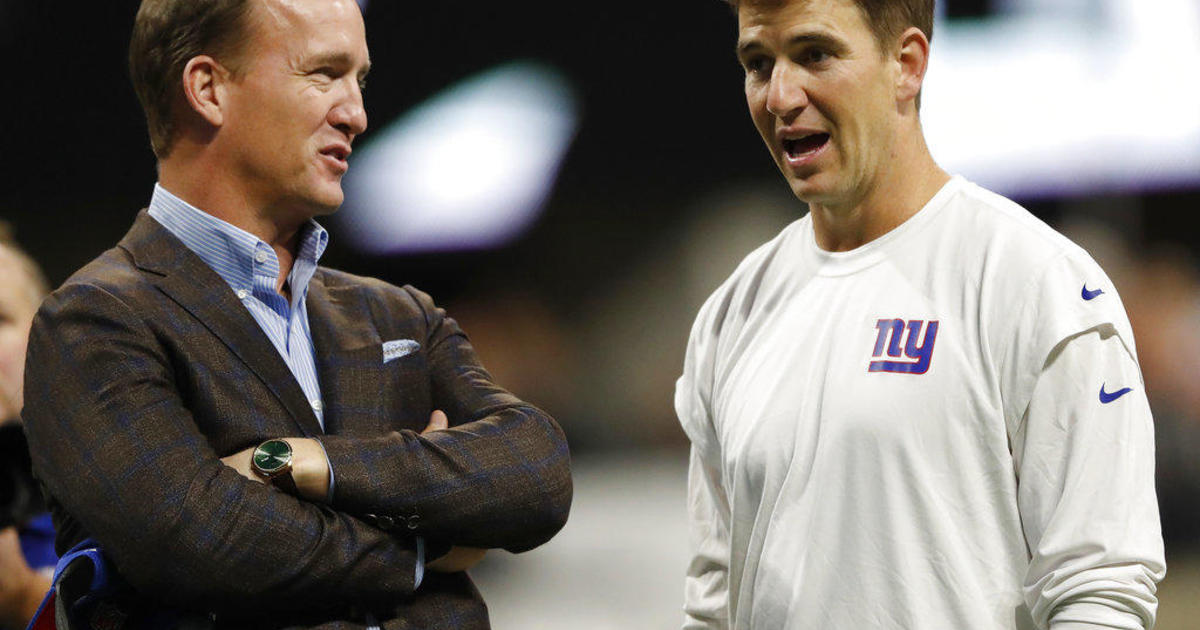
890	332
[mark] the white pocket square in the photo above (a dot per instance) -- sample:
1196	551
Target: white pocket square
397	348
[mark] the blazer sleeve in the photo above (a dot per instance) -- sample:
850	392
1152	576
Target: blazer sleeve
115	446
498	477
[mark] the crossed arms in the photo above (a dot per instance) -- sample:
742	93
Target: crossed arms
123	455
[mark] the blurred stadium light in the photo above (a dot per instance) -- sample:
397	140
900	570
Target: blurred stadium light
468	169
1050	97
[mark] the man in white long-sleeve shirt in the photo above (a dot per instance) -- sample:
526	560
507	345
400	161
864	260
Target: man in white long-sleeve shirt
918	407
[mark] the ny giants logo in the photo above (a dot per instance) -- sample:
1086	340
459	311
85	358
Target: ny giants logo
890	332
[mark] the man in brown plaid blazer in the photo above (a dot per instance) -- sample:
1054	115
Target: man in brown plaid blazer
156	381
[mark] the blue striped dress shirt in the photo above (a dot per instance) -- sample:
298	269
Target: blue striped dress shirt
250	267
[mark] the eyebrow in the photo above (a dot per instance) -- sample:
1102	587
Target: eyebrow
811	37
339	59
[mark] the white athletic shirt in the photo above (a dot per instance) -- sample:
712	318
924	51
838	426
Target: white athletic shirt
945	428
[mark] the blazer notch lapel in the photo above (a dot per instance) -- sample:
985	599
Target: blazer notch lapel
187	280
342	335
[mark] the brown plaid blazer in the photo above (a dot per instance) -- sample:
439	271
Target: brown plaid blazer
144	369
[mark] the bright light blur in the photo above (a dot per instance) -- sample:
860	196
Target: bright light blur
469	169
1053	97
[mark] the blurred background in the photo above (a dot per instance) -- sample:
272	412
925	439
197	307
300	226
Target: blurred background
572	179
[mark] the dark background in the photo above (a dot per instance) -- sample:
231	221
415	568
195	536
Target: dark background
587	313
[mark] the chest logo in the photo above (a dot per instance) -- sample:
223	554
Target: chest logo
908	350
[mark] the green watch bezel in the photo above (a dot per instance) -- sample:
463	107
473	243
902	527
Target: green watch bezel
272	458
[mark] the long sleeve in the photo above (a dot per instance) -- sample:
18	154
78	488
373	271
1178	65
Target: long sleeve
498	477
1083	456
120	452
706	587
1085	465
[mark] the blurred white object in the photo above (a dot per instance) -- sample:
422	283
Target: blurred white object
468	169
1058	97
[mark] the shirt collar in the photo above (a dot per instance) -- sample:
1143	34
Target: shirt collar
235	254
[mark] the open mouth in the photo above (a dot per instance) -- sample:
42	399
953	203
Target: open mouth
801	147
336	153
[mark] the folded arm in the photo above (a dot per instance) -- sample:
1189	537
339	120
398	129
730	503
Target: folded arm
311	475
498	476
116	447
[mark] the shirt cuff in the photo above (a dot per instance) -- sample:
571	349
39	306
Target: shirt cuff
1090	615
420	563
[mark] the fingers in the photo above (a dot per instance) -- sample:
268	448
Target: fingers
457	559
437	422
240	462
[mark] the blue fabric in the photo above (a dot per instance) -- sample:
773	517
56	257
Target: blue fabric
37	542
104	579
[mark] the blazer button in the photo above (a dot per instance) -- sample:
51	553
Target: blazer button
372	519
386	523
414	521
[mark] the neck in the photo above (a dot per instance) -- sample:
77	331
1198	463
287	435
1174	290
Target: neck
209	188
906	182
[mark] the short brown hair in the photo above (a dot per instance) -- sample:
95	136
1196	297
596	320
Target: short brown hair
166	35
888	18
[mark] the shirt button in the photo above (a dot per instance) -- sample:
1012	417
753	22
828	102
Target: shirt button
260	256
243	294
317	406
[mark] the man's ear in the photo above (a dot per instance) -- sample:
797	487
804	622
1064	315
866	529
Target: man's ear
913	61
203	88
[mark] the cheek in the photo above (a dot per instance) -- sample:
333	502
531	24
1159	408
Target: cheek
762	119
12	354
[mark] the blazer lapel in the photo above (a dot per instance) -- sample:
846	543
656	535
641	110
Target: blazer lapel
348	352
187	280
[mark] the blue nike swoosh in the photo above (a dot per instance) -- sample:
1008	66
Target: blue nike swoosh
1091	295
1106	397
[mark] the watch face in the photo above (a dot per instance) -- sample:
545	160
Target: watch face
272	455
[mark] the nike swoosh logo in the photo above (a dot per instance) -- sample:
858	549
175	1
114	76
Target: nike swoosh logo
1091	295
1106	397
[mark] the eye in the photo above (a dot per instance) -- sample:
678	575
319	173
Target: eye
757	66
813	56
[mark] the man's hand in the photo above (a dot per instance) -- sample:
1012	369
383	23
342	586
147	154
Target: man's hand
437	422
240	462
458	558
310	467
21	588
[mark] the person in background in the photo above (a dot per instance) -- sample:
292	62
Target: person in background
26	534
918	406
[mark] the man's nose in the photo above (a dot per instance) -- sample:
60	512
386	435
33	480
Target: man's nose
787	93
350	116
